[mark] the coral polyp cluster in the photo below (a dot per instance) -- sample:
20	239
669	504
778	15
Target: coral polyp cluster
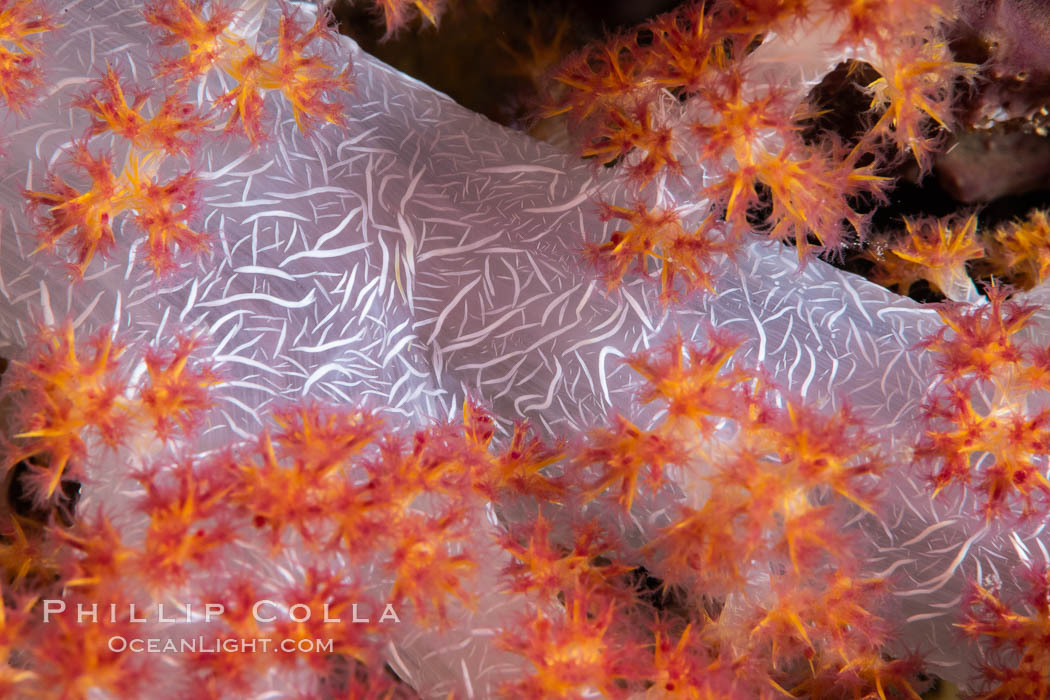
72	393
697	95
159	132
212	45
1016	666
397	14
20	76
357	495
935	250
986	425
1020	249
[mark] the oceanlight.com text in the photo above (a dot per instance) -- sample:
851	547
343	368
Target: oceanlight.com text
212	645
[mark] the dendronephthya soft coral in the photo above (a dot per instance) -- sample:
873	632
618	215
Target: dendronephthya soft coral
715	94
317	419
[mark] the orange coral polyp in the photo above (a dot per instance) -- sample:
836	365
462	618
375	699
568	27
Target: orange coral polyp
71	390
207	38
75	660
326	595
1020	632
428	572
834	451
1011	442
322	440
20	76
176	395
915	86
163	211
940	248
571	653
86	217
1022	249
980	340
520	466
170	130
546	569
810	196
620	135
690	52
283	499
597	77
306	81
186	528
623	454
83	220
398	13
696	383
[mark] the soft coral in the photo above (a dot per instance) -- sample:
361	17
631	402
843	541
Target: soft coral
72	391
85	217
20	76
1020	670
658	234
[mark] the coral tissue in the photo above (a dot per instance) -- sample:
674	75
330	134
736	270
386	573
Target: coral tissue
322	386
